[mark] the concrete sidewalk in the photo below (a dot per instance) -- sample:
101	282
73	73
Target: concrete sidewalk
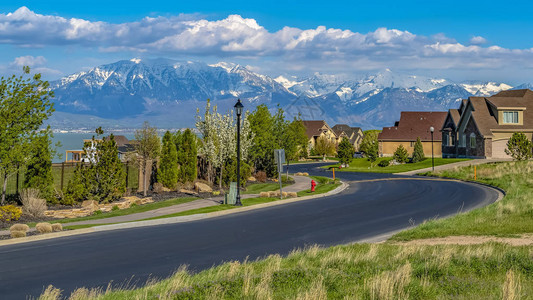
466	163
301	183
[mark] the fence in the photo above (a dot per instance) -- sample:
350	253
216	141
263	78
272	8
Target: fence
62	172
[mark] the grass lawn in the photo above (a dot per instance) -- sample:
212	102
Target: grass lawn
324	185
256	188
363	165
511	216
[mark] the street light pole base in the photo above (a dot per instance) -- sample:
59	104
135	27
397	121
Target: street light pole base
238	201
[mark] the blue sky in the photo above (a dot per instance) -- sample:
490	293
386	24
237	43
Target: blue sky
459	40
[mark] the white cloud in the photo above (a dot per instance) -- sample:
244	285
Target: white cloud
238	37
29	61
478	40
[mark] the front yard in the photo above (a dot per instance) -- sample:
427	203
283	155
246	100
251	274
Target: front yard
363	165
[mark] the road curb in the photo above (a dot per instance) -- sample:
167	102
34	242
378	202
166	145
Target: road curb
171	220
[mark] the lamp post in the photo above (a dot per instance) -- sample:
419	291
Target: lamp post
432	160
238	109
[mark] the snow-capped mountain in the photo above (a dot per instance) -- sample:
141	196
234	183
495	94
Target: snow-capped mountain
168	93
131	87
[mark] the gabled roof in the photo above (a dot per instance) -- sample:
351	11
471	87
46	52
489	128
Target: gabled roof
414	124
454	116
313	127
486	119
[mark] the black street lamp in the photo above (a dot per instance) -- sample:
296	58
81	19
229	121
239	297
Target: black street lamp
238	109
432	160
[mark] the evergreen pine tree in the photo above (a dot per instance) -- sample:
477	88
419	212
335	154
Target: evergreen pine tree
104	178
187	157
418	153
519	147
345	151
167	174
401	155
38	172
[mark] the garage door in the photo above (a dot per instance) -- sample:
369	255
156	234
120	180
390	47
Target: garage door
498	149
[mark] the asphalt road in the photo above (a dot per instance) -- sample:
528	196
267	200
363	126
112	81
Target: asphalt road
130	256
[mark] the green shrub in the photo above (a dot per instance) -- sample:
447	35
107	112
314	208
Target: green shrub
115	208
401	155
10	213
519	147
418	153
384	163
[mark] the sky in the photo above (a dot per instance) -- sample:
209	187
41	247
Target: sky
457	40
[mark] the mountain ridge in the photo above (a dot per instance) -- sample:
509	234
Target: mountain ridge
167	92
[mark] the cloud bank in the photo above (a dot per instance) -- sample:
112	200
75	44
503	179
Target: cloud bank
238	37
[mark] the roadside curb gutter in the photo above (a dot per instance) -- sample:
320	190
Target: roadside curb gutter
171	220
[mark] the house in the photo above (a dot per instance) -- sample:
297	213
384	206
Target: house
413	125
316	129
482	126
123	144
354	134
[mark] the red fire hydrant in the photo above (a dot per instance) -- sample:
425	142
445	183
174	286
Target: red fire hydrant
313	184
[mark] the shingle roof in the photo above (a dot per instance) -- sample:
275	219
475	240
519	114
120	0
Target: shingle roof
415	124
455	116
312	127
486	120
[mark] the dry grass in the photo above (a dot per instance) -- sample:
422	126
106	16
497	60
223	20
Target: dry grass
19	227
18	234
391	285
57	227
511	286
51	293
264	194
43	227
292	194
32	204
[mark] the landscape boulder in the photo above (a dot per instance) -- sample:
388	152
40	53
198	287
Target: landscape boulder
90	205
188	192
202	188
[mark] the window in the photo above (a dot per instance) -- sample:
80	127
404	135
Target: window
445	138
452	139
463	140
510	117
472	140
412	144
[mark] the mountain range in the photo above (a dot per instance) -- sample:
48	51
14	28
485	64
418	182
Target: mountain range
167	93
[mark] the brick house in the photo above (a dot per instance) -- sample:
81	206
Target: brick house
413	125
481	127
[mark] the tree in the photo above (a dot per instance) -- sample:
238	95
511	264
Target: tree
147	149
264	141
345	151
418	153
294	141
104	178
219	143
370	145
401	155
24	105
38	174
187	157
167	173
324	147
519	147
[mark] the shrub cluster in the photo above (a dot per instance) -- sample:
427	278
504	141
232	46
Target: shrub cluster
10	213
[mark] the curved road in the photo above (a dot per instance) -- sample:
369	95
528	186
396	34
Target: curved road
372	206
